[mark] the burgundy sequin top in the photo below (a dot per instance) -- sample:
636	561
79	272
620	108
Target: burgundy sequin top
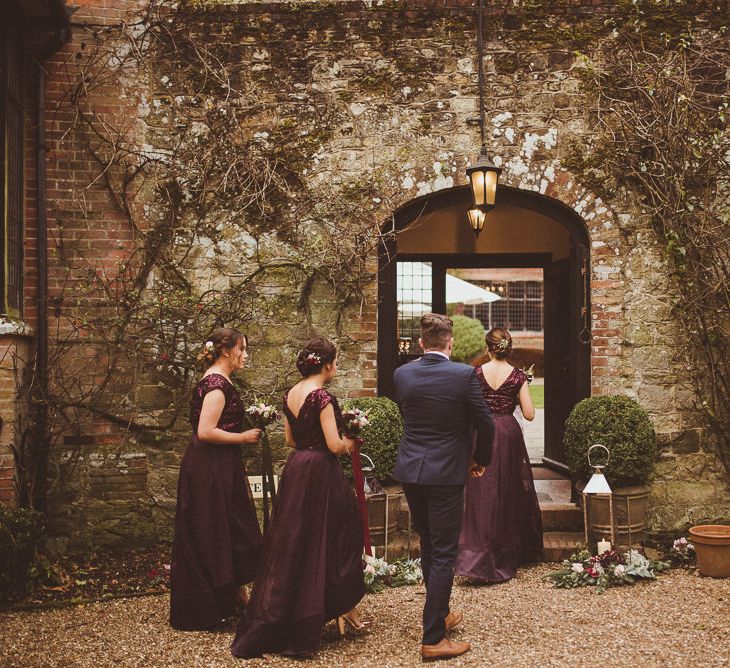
503	400
306	427
232	416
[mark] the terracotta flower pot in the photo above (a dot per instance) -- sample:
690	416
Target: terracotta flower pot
712	545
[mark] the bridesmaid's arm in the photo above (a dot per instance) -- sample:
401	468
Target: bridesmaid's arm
335	444
213	404
526	406
288	435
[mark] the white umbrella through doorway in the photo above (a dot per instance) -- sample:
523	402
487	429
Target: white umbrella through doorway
458	291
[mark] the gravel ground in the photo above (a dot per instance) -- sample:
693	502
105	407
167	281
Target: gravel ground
678	620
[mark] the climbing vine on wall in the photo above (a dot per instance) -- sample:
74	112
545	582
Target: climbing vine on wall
662	104
206	169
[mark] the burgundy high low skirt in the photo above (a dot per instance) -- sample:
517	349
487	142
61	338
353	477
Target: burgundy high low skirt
217	536
312	560
502	525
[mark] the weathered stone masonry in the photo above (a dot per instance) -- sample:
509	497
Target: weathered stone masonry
402	77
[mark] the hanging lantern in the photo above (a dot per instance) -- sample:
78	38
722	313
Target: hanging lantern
476	220
483	178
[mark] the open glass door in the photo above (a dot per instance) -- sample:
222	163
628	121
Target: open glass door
414	297
510	298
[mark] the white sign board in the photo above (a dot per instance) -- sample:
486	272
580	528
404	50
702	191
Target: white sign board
257	485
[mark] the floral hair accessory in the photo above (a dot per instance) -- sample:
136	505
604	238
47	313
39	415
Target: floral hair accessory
502	344
209	345
313	359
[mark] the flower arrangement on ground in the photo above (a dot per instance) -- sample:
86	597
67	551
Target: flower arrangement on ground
682	553
379	574
610	569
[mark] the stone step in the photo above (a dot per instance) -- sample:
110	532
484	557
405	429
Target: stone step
561	517
544	473
559	545
562	524
555	516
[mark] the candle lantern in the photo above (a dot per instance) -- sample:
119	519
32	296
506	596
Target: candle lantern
484	175
476	220
599	485
483	178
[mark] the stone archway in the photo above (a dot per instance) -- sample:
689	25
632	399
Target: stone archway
526	229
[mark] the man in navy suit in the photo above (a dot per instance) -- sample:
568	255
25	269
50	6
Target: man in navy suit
441	404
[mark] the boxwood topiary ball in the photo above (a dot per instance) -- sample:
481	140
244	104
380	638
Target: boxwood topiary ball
620	424
468	338
381	436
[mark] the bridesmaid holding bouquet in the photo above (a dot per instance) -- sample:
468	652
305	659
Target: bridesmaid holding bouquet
217	535
312	560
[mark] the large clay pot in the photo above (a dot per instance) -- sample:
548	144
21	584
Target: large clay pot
629	505
376	516
712	545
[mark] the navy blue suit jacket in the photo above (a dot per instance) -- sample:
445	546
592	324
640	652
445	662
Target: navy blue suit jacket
441	404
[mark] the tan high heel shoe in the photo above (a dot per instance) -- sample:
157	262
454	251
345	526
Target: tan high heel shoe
241	597
355	626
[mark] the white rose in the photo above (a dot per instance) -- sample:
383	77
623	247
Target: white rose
620	569
577	568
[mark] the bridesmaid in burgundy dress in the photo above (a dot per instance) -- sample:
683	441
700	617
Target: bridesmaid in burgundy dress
217	535
502	523
312	560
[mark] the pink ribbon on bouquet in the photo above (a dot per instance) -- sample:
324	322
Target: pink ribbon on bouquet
360	493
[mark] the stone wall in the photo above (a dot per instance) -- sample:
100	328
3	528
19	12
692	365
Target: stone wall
400	81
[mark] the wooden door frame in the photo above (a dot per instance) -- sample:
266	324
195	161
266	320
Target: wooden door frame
411	211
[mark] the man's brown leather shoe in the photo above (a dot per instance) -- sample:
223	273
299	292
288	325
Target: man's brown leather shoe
446	649
453	619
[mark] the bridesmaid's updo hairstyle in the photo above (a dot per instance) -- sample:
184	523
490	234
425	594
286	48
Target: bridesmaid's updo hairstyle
499	343
222	338
318	352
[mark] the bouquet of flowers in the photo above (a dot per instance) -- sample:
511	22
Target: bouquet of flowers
379	574
610	569
530	373
682	552
355	421
262	414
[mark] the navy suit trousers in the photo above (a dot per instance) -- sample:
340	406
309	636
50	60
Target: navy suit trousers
436	511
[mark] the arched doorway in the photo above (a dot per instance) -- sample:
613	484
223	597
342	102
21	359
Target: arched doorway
525	230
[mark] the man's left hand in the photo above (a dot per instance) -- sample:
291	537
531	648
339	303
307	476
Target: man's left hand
476	470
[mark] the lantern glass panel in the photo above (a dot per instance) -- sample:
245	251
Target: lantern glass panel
476	219
490	187
477	186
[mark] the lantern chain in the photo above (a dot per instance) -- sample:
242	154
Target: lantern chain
480	48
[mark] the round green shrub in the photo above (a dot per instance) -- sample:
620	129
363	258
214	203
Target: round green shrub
623	427
381	437
468	338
